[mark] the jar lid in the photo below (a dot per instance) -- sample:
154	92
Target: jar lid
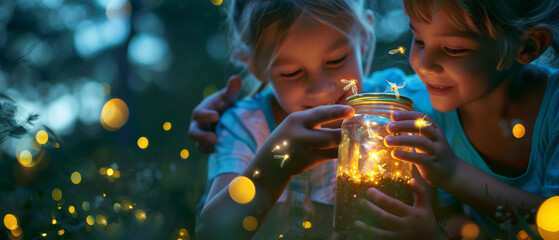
380	98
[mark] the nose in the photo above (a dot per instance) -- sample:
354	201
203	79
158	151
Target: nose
429	62
320	84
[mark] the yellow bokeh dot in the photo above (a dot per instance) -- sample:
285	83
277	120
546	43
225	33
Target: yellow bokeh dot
184	154
183	232
76	177
518	130
143	142
61	232
307	224
101	220
10	221
17	232
56	194
53	221
281	236
522	235
250	223
44	234
469	230
547	218
242	190
110	171
217	2
116	174
167	126
57	145
25	158
89	220
42	137
114	114
71	209
86	206
140	215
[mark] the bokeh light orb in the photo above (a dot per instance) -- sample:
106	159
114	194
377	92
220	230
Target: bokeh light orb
307	224
10	221
518	130
140	215
250	223
76	177
143	142
547	218
167	126
56	194
42	137
469	230
25	158
242	190
90	220
185	154
217	2
114	114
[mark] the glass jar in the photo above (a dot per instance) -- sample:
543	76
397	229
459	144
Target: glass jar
364	161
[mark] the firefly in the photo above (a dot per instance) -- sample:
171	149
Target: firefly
394	88
350	84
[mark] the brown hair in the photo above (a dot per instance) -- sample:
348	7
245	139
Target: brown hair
501	20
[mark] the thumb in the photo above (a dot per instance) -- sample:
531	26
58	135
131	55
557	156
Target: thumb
325	114
233	88
420	194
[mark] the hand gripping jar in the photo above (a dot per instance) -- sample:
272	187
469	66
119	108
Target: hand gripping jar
364	161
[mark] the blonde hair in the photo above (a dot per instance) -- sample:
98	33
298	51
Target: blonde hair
258	28
501	20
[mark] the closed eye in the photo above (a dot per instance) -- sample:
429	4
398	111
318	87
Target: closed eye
453	51
337	61
292	74
419	43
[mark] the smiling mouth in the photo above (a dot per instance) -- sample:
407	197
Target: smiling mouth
437	89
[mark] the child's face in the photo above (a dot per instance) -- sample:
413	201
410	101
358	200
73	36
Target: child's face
457	67
309	66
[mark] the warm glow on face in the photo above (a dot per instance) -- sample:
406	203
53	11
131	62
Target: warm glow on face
469	230
56	194
143	142
547	218
250	223
184	154
76	177
114	114
10	221
518	130
140	215
167	126
42	137
242	190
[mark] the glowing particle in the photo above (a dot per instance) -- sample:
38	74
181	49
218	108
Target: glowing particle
250	223
216	2
381	168
114	114
86	206
167	126
89	220
518	130
25	159
469	230
422	123
104	195
140	215
307	224
44	234
143	142
184	154
183	232
56	194
61	232
281	236
283	159
350	84
10	221
242	190
101	220
53	221
42	137
547	218
276	148
117	207
400	50
110	171
71	209
394	88
76	177
256	173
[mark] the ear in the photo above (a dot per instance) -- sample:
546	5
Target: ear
537	40
367	40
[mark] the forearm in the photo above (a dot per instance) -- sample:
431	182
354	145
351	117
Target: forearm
222	217
486	194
